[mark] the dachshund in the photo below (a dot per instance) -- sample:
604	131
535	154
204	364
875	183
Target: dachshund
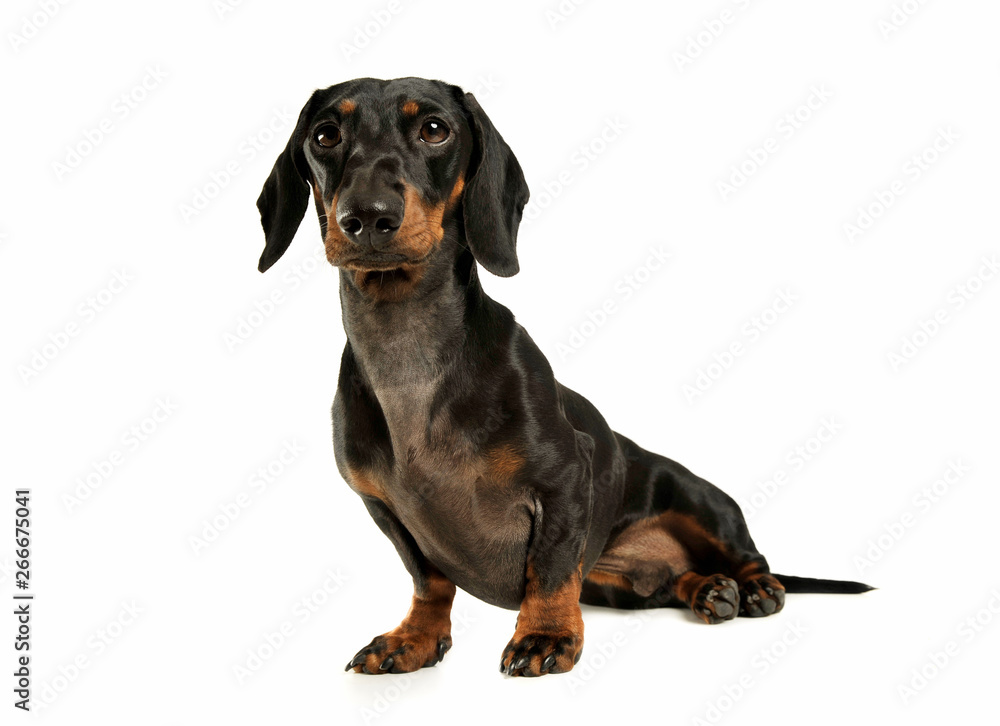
484	471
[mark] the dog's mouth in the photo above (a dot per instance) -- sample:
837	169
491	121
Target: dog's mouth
380	262
380	278
387	277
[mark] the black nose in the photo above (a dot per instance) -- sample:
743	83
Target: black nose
370	223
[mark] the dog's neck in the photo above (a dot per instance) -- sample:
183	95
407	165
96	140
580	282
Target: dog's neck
412	343
405	351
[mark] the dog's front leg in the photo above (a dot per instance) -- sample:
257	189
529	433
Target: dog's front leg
549	633
424	635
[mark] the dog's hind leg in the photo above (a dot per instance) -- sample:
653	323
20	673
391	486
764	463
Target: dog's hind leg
683	543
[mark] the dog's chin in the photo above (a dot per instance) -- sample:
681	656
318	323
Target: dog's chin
379	262
381	278
388	278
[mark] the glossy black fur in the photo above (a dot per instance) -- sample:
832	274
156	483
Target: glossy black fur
434	383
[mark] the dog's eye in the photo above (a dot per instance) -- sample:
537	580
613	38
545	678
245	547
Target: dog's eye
328	135
433	132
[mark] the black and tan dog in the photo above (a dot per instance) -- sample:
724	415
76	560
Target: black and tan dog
483	470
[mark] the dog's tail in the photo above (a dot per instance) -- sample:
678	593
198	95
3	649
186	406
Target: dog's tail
812	584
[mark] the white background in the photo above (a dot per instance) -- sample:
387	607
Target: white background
693	104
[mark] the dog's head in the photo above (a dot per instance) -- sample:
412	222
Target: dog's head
395	167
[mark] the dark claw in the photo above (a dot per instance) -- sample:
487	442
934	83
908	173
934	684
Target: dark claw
502	668
521	663
443	648
356	660
387	663
579	655
548	662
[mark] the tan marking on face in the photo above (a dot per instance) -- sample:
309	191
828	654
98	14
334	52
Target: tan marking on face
411	108
421	231
391	285
503	463
335	243
364	483
422	227
347	106
456	191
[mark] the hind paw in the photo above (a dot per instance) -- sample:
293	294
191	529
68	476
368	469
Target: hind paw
761	595
716	600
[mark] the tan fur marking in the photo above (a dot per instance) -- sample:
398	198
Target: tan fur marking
692	535
646	553
392	285
347	106
335	243
422	227
551	617
687	586
363	483
503	464
456	191
413	644
421	231
556	611
599	577
411	108
747	570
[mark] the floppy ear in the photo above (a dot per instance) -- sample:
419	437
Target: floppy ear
285	196
494	197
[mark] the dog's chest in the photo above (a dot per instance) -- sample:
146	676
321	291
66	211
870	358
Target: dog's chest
472	525
460	499
457	493
447	490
